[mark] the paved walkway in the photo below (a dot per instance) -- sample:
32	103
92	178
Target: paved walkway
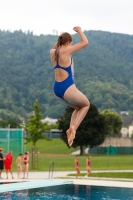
62	174
40	175
113	182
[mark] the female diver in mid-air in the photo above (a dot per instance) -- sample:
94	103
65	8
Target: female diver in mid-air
64	87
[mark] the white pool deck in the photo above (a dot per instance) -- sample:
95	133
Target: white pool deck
110	182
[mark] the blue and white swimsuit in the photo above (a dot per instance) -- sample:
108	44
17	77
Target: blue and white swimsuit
61	87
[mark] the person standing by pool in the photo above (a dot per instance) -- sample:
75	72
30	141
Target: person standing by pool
64	86
88	166
26	163
1	161
76	161
8	163
19	165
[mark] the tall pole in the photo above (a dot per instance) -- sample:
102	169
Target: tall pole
24	136
8	136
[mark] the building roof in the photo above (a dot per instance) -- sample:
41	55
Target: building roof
127	120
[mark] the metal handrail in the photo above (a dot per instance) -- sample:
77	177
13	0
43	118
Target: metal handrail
51	169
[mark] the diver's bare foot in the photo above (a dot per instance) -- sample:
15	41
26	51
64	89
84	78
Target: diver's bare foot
71	135
70	143
73	132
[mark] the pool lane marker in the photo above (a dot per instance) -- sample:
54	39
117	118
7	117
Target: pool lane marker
29	185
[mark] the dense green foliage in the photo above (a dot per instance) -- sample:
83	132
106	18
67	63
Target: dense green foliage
103	71
92	131
113	121
9	123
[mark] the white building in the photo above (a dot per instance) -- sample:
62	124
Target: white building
127	128
50	121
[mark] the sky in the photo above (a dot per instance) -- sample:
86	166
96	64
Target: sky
56	16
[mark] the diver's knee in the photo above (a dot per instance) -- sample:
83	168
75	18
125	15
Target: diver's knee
88	104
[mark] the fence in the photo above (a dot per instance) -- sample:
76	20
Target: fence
11	139
114	145
53	133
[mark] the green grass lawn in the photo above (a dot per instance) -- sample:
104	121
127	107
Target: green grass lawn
108	175
64	161
99	162
54	146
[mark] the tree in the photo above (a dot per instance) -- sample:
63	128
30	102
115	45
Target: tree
113	121
91	132
35	127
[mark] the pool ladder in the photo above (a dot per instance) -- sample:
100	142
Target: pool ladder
51	169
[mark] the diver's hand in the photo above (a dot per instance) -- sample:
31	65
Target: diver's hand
77	29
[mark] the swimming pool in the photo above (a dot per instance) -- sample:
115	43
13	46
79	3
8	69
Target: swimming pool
70	192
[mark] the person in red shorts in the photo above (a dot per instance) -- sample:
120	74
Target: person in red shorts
8	163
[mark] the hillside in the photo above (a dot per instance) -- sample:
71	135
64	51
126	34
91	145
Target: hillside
103	71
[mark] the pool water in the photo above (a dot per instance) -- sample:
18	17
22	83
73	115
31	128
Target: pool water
70	192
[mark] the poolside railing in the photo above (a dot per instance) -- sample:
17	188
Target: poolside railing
51	169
